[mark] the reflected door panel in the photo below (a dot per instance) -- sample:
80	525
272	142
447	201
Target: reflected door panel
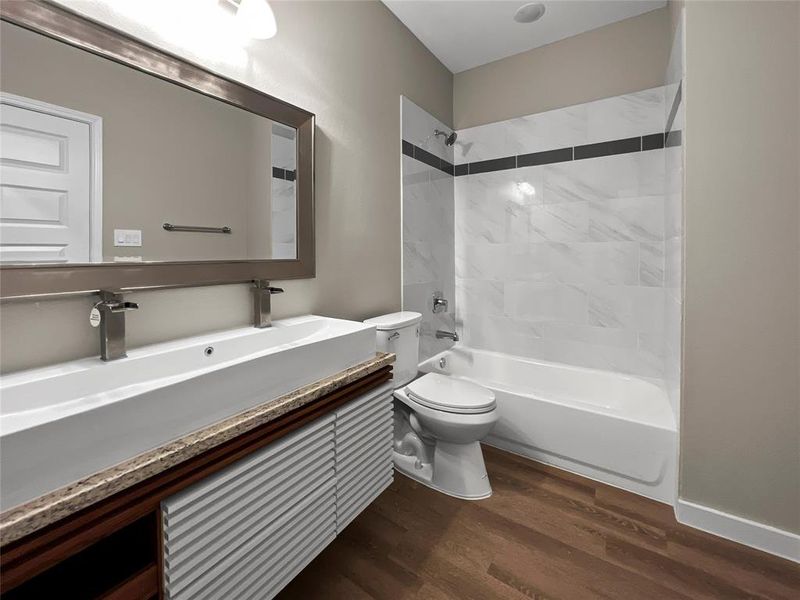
45	195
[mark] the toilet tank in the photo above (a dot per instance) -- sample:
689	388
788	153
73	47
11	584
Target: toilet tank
399	333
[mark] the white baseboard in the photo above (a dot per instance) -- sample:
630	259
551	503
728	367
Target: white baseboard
750	533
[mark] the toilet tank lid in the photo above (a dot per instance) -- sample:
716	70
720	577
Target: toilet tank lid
395	320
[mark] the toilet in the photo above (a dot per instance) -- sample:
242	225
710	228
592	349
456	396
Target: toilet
438	420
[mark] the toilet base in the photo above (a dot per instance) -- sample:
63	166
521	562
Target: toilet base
457	470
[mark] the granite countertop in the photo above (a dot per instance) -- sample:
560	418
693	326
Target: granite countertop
31	516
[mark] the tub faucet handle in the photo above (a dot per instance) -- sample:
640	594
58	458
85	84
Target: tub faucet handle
439	303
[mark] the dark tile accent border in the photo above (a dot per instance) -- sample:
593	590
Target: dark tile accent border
495	164
652	142
608	148
673	138
428	158
544	158
286	174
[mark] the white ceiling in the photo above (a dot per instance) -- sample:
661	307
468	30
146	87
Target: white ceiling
467	33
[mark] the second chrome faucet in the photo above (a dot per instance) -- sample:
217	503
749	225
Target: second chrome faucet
262	303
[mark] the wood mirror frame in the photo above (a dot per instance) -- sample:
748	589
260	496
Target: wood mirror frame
26	281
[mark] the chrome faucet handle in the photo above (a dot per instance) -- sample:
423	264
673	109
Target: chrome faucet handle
113	302
439	303
263	285
118	307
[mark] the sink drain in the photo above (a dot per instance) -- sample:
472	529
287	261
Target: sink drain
209	351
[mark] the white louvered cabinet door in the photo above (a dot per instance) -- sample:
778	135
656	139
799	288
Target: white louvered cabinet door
364	435
248	530
245	532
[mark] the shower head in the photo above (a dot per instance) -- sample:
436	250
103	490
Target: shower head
449	138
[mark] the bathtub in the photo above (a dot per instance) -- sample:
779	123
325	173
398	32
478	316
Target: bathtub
607	426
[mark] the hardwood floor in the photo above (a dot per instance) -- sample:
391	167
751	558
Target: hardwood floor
544	534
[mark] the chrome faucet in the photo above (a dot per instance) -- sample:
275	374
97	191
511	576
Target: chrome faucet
262	303
451	335
112	308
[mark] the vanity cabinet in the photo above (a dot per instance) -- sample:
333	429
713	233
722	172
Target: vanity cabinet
238	521
248	530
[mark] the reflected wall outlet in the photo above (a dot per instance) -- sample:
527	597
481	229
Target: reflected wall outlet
127	237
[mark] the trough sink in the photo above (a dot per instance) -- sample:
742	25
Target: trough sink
62	423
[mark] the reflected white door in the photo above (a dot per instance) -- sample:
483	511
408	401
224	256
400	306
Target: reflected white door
46	187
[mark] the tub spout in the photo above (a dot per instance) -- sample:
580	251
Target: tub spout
441	334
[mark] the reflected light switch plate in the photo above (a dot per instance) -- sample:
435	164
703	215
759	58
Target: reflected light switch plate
127	237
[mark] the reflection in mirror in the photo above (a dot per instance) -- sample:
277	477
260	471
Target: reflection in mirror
97	157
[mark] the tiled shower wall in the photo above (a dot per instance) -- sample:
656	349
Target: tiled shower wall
673	217
283	212
428	234
560	238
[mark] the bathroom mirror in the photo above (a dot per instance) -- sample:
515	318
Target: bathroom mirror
122	166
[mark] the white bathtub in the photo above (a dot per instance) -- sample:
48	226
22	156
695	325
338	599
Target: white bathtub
614	428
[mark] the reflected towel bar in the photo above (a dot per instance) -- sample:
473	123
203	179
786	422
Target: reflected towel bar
170	227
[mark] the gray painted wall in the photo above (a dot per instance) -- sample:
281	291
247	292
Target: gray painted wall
740	430
617	59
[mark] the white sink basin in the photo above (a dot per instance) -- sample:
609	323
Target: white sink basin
61	423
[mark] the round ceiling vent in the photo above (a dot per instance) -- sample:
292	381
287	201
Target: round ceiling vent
528	13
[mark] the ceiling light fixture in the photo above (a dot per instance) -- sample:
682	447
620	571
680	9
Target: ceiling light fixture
253	17
528	13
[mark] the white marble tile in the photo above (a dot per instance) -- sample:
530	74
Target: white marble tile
414	171
500	333
561	128
651	173
597	336
425	262
651	264
530	262
482	261
626	219
545	302
650	357
566	222
480	216
630	115
615	263
592	179
672	267
477	296
626	307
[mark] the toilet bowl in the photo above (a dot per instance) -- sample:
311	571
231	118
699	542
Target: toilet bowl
439	420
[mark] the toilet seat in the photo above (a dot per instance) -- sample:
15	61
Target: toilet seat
439	392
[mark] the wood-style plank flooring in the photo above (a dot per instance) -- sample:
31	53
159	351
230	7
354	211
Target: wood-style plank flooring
544	534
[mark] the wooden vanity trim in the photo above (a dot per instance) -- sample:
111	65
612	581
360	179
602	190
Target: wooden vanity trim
25	558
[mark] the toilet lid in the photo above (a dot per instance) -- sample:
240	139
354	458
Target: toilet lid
451	395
